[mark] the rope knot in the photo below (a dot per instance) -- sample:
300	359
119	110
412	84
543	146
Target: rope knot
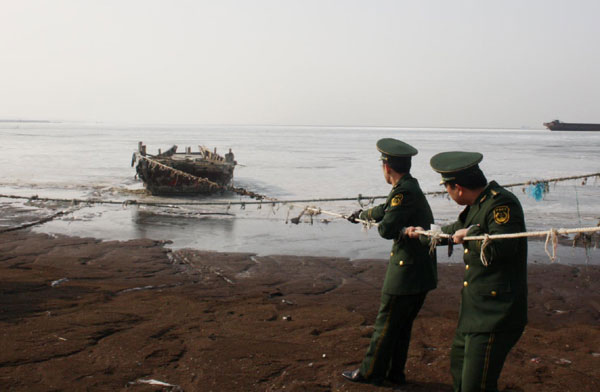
367	224
436	238
486	242
551	236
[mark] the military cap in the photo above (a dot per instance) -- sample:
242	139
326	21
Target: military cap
453	164
394	148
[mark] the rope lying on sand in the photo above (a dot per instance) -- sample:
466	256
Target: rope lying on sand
38	222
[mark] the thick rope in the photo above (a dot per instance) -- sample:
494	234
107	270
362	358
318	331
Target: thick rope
316	211
551	238
516	235
436	238
260	197
484	244
40	221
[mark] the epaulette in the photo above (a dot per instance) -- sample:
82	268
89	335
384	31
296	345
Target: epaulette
494	193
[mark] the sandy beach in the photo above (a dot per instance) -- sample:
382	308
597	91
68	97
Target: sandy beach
83	314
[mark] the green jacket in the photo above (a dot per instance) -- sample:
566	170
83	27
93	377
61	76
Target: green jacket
411	269
493	298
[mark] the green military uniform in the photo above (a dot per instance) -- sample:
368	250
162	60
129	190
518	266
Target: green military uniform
411	272
493	309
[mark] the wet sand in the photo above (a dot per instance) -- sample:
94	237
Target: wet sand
82	314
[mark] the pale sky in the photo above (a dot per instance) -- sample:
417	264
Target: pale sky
426	63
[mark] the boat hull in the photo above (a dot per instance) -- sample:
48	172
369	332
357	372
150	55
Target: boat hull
561	126
168	176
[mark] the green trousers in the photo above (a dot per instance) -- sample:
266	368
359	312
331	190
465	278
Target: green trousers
476	359
387	352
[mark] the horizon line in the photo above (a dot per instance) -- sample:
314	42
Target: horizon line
13	120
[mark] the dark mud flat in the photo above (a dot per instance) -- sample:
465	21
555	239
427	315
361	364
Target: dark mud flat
81	314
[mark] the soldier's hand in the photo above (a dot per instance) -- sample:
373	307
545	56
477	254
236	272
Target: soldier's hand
458	236
355	215
410	231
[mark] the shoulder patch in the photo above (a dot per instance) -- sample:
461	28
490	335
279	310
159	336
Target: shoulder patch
501	214
397	200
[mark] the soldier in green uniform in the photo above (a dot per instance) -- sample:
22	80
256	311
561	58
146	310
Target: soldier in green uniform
493	308
411	272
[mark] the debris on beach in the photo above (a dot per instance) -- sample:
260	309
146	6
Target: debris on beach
58	282
158	383
564	362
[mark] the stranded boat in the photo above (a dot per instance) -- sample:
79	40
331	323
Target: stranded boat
556	125
173	173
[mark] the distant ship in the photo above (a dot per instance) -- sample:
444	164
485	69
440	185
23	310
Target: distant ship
556	125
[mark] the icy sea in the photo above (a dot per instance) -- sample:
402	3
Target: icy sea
93	161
